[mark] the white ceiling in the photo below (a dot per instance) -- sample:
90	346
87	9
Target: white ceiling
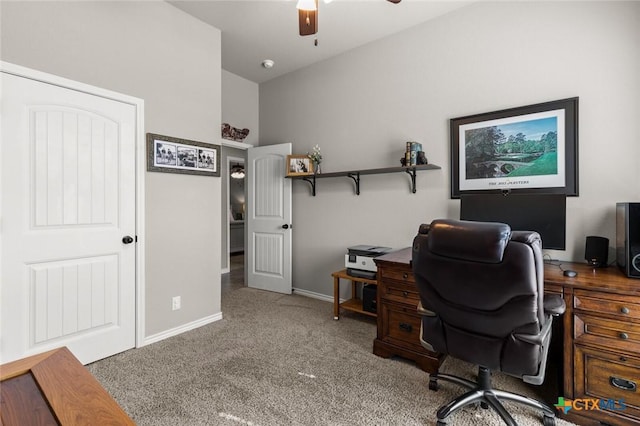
253	31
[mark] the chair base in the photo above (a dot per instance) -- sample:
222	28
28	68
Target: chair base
482	392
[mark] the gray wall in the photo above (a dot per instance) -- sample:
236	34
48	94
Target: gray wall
240	105
362	106
240	109
153	51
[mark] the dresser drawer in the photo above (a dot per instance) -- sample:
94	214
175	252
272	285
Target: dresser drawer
405	276
604	303
608	376
606	332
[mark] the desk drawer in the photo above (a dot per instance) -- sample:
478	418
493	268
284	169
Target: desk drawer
401	326
398	275
606	332
608	376
607	304
400	293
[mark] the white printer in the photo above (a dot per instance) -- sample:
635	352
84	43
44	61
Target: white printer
359	260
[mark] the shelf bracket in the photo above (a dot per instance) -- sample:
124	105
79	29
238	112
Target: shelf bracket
412	173
356	180
312	182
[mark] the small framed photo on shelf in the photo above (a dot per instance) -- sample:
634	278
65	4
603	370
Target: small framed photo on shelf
299	165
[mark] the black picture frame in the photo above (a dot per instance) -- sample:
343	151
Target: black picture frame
482	156
175	155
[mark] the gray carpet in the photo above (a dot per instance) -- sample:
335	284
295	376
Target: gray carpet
282	360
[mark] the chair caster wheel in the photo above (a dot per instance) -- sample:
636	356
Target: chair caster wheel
484	405
433	385
549	421
441	423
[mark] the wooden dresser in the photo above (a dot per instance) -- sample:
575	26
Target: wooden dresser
598	337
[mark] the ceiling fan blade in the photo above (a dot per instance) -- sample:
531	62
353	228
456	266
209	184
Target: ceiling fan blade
308	22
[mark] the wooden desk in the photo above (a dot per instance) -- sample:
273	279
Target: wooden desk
53	388
354	304
598	338
601	340
398	318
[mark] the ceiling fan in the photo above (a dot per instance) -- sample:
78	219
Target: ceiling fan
308	15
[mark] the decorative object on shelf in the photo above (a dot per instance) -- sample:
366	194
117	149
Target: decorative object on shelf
413	155
299	165
529	149
237	171
174	155
422	158
316	158
233	134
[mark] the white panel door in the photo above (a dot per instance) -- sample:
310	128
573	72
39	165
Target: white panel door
269	219
68	199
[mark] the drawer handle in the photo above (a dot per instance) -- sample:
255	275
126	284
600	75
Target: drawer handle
624	336
405	275
405	293
406	327
623	384
624	310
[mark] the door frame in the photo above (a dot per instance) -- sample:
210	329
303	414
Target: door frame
242	146
140	150
230	160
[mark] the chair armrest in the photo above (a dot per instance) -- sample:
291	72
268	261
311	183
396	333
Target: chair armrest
536	339
554	304
425	312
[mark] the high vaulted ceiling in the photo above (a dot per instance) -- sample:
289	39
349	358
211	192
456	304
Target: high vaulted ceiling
253	31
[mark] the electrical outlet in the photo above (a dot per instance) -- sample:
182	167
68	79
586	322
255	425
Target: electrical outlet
175	305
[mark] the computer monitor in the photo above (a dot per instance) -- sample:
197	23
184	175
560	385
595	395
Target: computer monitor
543	213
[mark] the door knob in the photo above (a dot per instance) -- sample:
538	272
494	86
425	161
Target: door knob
127	239
285	226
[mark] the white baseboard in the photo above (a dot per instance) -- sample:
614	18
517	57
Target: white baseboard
225	270
183	328
314	295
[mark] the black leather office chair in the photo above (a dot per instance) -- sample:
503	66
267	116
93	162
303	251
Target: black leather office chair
482	301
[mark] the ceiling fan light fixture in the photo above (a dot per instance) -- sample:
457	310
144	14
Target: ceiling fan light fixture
307	5
237	172
307	18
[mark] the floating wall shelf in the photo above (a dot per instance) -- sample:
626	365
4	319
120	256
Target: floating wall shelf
355	175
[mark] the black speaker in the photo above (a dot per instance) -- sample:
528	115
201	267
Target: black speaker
596	251
628	238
